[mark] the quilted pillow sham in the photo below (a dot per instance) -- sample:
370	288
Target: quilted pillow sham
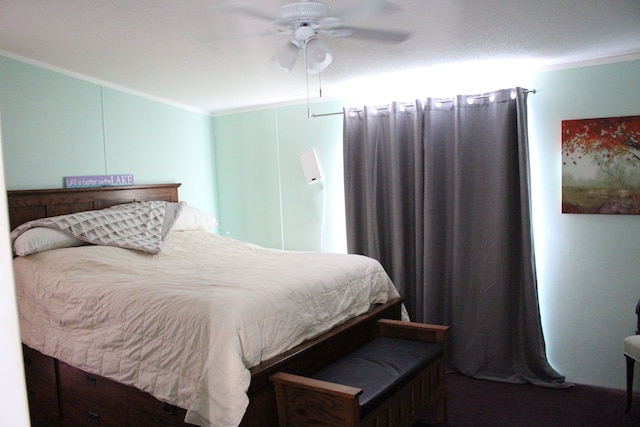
40	239
140	226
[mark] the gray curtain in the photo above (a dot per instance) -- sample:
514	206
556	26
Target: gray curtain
438	192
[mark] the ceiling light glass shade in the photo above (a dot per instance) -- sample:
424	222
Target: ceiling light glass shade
317	55
286	56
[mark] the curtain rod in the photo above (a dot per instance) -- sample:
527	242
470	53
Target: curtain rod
480	96
313	116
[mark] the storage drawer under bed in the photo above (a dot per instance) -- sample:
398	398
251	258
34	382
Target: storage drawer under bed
42	390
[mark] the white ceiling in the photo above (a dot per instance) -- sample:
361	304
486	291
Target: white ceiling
191	53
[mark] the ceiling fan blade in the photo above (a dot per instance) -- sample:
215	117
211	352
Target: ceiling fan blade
245	9
366	9
238	36
386	36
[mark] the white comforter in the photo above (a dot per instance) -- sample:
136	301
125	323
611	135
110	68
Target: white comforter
186	324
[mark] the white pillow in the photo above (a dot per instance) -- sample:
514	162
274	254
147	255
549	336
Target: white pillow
191	218
41	239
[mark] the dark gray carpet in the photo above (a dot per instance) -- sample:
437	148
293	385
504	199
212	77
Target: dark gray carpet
481	403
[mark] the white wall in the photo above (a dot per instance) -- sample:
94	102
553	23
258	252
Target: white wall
13	393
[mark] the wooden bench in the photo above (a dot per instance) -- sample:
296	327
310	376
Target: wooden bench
391	380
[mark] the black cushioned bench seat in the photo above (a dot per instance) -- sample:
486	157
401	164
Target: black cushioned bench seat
380	368
390	378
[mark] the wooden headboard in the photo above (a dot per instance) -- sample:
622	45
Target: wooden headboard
26	205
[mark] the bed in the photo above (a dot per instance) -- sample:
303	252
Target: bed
168	346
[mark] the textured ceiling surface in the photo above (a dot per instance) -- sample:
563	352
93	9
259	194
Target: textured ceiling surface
197	54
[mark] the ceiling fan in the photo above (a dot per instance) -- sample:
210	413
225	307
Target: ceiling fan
305	21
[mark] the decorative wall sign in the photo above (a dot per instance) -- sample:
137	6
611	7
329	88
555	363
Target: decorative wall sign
601	165
97	181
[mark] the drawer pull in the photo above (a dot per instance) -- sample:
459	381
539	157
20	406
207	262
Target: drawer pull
94	418
90	381
169	409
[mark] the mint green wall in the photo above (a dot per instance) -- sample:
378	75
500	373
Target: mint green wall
161	143
55	126
313	214
262	192
248	183
588	265
52	126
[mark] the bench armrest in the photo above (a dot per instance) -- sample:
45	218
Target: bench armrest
347	392
307	401
411	331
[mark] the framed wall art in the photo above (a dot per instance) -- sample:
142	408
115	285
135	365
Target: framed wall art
601	165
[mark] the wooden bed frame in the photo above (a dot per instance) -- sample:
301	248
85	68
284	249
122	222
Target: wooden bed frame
62	395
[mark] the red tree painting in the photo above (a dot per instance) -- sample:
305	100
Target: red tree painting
601	165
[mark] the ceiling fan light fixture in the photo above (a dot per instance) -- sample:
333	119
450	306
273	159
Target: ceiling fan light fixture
286	56
317	56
